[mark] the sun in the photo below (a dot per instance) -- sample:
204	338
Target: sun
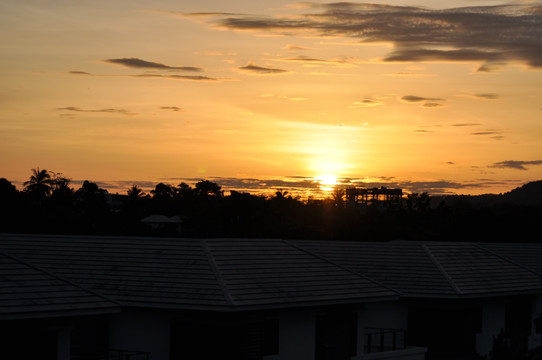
327	182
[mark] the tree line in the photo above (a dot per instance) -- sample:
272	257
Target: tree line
48	204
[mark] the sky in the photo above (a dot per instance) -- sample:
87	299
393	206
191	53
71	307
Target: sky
424	95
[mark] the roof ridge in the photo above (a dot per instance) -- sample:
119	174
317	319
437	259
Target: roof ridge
439	266
61	278
298	247
508	260
217	273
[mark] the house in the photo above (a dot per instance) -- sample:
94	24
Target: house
169	298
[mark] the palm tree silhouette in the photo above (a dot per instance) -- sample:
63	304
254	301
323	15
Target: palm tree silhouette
40	183
281	194
135	192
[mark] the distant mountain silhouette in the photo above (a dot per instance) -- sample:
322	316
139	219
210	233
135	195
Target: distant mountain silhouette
528	194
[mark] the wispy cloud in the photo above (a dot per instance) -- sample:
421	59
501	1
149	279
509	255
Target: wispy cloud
347	61
253	68
492	35
516	164
481	96
105	110
426	102
413	98
366	102
158	76
172	108
144	64
491	133
296	47
432	105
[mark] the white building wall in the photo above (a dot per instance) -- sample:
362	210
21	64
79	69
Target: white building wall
493	320
141	331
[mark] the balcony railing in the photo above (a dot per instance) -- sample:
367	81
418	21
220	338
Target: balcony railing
380	340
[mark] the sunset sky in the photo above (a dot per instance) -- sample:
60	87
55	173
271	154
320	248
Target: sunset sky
426	95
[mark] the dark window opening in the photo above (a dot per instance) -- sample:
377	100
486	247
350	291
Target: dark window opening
336	335
243	340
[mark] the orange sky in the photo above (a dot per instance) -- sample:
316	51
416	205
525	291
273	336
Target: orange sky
406	94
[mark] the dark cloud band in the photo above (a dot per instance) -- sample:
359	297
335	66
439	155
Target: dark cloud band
488	34
516	164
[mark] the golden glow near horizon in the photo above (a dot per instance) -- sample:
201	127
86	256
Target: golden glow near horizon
139	92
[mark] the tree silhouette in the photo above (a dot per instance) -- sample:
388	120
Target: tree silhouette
338	195
206	188
184	190
135	192
40	183
60	186
7	188
163	191
418	202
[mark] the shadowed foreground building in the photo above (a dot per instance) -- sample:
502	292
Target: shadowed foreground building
90	297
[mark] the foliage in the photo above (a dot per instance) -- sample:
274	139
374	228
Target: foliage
40	184
206	212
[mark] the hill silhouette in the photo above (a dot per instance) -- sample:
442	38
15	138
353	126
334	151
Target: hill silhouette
529	194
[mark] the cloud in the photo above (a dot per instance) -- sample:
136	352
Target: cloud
515	164
366	102
482	96
180	77
158	76
172	108
492	35
486	133
107	110
413	98
253	68
493	134
143	64
488	67
347	61
296	47
432	105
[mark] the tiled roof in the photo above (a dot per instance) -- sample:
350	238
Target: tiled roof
27	291
274	271
238	274
193	273
525	255
440	269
